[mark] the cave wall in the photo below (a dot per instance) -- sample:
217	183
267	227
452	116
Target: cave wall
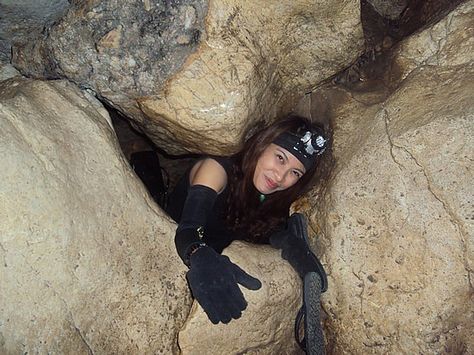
393	224
395	219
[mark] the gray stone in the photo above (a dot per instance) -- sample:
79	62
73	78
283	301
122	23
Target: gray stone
23	20
7	71
389	8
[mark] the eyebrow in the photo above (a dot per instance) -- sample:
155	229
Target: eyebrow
286	158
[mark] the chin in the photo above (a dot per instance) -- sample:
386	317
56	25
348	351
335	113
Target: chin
261	190
266	191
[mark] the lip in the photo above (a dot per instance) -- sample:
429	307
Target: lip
270	183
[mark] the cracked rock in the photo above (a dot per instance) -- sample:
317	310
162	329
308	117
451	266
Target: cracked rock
404	167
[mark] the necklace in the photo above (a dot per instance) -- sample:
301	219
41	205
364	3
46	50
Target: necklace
261	197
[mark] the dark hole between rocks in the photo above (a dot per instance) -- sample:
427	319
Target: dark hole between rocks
382	33
158	170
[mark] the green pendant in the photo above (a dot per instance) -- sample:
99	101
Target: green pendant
262	197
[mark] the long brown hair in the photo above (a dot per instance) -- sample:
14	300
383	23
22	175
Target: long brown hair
245	211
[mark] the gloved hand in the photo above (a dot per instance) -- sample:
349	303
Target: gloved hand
213	280
294	244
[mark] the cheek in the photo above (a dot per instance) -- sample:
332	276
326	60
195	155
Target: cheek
290	181
259	171
256	174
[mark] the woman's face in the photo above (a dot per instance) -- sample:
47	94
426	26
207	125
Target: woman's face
277	169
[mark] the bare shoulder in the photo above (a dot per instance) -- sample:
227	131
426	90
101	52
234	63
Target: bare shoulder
210	173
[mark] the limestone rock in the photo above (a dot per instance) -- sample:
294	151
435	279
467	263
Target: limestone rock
448	43
87	260
266	326
398	216
197	73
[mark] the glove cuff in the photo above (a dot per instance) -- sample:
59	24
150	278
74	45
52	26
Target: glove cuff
193	248
187	241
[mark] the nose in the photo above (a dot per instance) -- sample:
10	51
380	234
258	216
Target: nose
279	174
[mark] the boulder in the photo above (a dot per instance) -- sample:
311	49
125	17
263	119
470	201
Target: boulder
396	219
194	74
267	325
87	260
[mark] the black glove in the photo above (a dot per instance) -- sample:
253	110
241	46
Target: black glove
294	244
213	280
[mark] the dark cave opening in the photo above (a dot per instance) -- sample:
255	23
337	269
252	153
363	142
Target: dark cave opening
158	170
382	33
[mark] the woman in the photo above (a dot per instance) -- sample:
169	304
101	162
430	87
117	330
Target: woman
246	196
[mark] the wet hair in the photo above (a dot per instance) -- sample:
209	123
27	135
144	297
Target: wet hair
246	214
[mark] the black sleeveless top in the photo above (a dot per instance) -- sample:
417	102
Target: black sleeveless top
216	233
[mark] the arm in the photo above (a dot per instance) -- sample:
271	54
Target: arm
210	173
293	240
207	179
213	278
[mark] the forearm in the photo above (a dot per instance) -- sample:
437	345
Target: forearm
197	207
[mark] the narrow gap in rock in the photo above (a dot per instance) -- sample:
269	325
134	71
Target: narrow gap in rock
382	33
158	170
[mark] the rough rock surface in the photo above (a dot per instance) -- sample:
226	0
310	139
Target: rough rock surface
266	326
22	20
389	8
87	260
398	219
198	72
7	71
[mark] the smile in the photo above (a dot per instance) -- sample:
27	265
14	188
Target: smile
270	183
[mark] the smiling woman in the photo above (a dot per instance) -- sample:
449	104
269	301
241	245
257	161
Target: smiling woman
255	187
246	196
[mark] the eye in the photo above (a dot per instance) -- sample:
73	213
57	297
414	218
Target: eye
297	174
280	158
